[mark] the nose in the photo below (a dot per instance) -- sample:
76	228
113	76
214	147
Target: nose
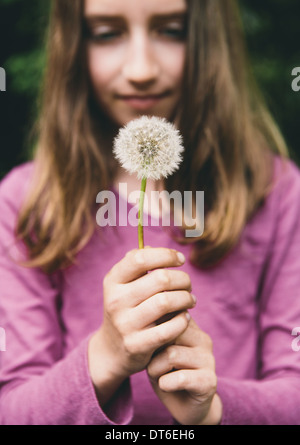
141	66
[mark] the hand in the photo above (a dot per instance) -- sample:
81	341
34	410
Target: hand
183	376
134	301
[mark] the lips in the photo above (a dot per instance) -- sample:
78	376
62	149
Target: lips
143	102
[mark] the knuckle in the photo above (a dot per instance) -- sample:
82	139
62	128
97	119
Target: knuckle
162	302
130	345
112	299
181	378
124	325
162	337
130	254
172	355
112	304
137	257
163	277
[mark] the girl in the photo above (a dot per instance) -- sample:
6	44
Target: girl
99	332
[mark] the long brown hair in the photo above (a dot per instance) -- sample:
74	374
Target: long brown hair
227	130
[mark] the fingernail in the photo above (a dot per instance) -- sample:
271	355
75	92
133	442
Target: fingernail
194	298
188	317
181	257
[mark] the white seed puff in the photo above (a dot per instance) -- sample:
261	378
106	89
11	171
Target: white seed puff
151	147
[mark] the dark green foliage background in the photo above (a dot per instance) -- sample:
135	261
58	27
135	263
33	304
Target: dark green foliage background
273	37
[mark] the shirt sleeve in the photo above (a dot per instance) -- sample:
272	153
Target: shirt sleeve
273	399
38	384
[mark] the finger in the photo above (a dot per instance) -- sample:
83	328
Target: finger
150	339
157	281
161	304
139	261
200	382
179	357
195	337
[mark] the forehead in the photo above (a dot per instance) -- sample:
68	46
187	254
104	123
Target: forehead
126	7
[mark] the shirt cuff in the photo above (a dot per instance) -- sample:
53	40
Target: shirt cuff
119	411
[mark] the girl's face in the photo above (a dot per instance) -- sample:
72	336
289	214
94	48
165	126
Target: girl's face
136	54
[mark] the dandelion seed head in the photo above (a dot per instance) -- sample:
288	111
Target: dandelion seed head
151	147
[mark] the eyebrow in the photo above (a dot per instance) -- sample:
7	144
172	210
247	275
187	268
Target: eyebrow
96	18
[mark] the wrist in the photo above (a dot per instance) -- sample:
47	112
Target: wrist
214	415
103	369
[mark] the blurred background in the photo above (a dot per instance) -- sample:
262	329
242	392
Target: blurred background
273	36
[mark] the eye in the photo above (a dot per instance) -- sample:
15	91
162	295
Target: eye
171	28
173	31
104	34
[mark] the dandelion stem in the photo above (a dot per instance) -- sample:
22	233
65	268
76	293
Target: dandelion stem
141	213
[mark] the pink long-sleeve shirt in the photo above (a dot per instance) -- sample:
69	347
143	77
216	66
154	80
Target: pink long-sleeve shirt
249	304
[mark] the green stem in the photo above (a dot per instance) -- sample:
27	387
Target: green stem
141	213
